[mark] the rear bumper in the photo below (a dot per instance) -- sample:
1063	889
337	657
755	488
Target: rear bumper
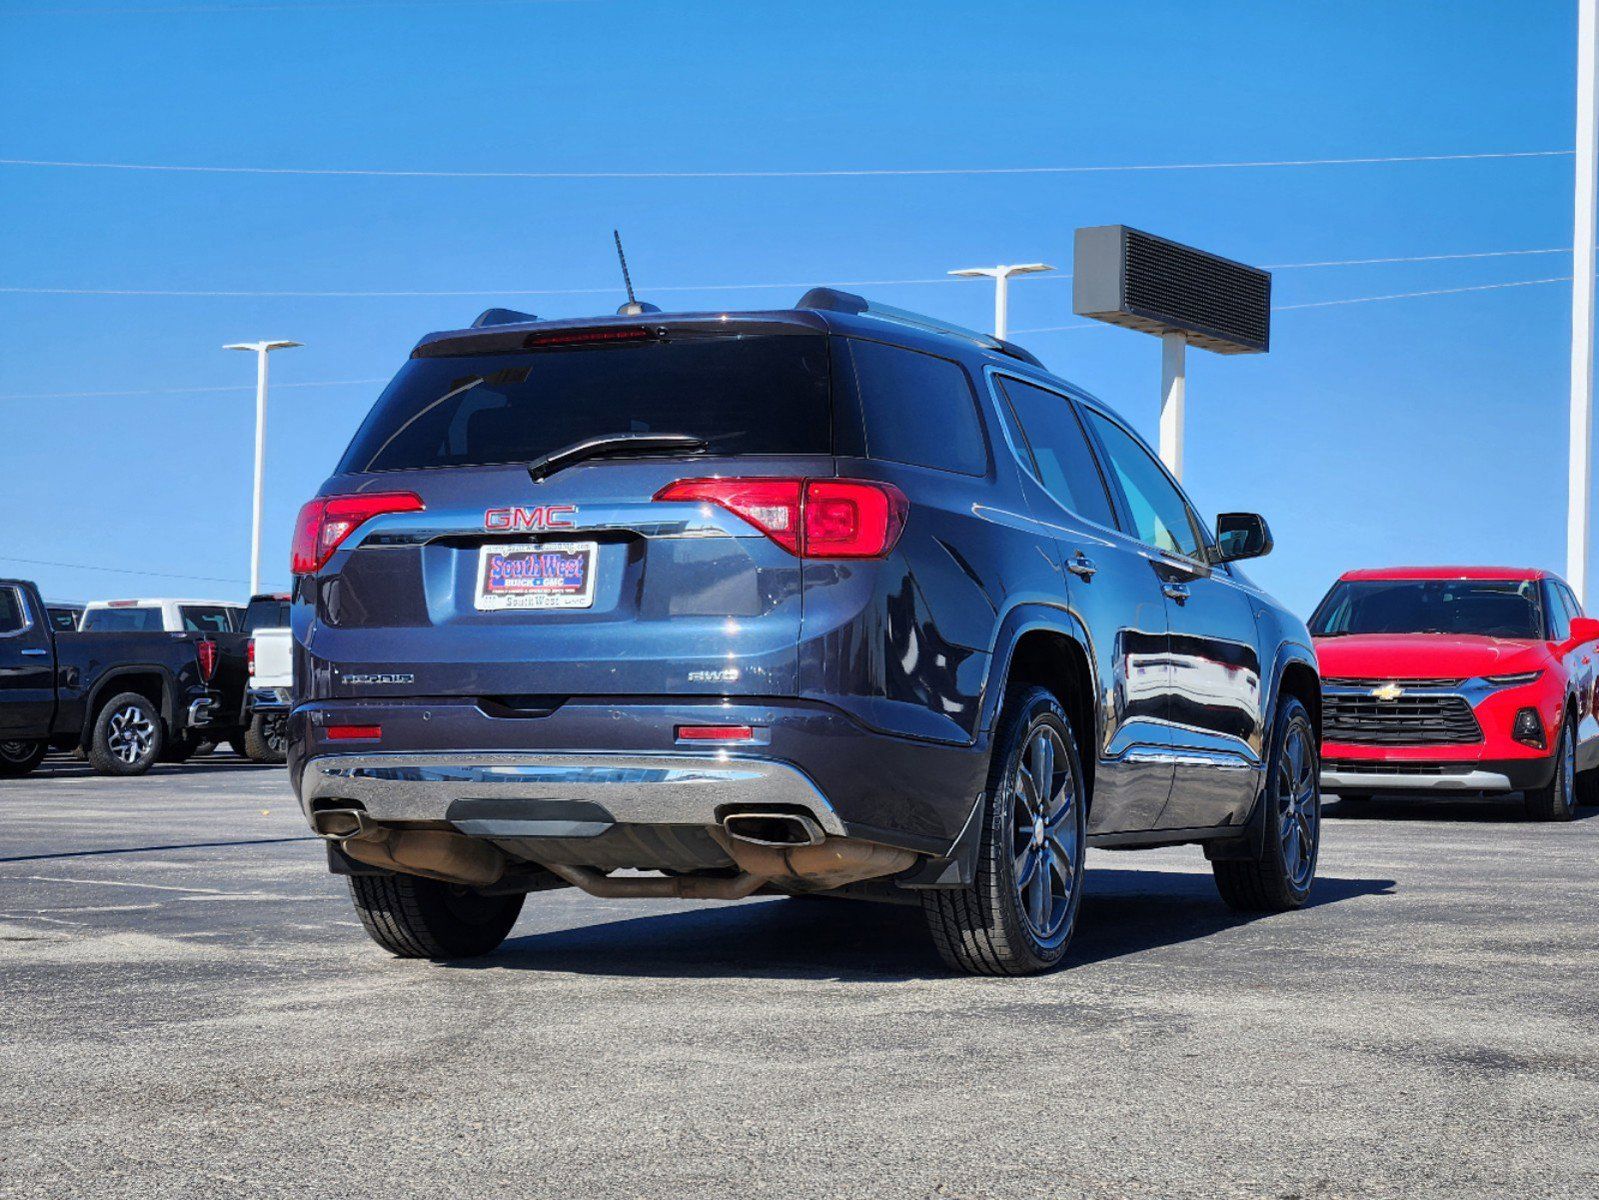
559	795
594	760
271	700
1508	775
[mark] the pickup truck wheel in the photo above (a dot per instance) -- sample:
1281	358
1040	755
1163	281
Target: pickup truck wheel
20	757
237	745
266	740
1018	915
128	736
1557	799
427	918
178	750
1279	877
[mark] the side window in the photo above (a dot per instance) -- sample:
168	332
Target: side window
13	618
1066	465
1160	514
918	409
1570	598
1556	613
205	620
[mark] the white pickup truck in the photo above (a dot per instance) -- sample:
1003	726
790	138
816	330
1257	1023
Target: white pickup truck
271	677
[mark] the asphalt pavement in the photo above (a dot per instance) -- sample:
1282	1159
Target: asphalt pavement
188	1007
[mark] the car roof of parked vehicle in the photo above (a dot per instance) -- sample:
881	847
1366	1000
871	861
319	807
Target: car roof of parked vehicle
154	600
1515	573
826	310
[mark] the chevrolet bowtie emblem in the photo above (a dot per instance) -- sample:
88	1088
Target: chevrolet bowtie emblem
1388	691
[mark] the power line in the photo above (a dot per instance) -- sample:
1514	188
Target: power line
189	390
830	173
45	562
707	287
1482	287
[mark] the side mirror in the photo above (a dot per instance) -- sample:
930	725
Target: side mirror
1241	535
1584	629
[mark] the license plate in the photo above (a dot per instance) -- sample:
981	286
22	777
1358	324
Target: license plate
554	575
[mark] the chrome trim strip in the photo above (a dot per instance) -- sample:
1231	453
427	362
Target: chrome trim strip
1360	781
660	789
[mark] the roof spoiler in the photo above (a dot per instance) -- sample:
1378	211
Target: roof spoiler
502	316
828	299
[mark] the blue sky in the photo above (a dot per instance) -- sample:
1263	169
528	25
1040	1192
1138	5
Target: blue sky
1418	430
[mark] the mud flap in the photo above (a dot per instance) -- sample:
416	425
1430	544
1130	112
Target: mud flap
959	867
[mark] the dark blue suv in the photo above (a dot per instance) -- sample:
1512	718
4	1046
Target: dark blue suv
831	599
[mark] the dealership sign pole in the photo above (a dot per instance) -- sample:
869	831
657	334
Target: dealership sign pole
1184	296
261	349
1582	301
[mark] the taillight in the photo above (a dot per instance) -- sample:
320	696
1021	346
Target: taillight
325	522
812	518
205	653
249	657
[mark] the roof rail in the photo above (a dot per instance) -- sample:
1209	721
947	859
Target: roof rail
832	300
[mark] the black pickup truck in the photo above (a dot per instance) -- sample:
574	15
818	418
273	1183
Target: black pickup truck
127	700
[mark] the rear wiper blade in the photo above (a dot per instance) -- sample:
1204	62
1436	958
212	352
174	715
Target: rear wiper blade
612	445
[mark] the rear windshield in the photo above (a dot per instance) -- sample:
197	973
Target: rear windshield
756	394
206	618
122	620
266	614
1508	608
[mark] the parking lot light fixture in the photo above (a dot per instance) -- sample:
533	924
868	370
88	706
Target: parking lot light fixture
1001	277
261	349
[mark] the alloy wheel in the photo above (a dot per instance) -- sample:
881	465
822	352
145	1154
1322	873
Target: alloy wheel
15	751
130	734
1044	836
1298	805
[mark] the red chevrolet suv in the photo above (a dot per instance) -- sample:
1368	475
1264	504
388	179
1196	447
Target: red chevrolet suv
1459	679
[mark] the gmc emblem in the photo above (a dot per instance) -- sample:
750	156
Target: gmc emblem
543	516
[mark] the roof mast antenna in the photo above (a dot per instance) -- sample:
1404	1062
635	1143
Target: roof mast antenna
634	307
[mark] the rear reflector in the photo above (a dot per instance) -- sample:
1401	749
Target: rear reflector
715	733
812	518
354	733
324	524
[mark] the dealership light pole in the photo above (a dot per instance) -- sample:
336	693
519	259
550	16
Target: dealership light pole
1582	300
262	349
1001	277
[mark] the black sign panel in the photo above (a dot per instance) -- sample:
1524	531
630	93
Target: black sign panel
1155	285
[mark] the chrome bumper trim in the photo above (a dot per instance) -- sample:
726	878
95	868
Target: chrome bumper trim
1397	781
202	712
661	789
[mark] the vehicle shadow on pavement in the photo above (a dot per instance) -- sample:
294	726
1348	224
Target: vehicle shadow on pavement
1485	810
76	768
1124	912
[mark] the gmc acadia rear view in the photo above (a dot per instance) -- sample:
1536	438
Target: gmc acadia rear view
831	599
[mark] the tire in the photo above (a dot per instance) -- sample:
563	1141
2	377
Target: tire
266	740
204	748
128	738
18	757
414	917
1018	915
1557	799
236	743
1279	877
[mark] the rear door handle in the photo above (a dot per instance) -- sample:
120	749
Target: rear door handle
1081	566
1175	591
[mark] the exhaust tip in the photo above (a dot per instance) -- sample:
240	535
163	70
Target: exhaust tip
773	829
337	824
